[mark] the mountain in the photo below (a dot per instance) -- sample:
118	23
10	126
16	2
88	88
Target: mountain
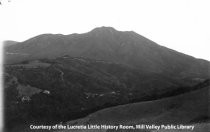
55	78
106	43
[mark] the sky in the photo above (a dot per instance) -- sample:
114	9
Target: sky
182	25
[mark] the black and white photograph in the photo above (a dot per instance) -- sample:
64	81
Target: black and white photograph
105	65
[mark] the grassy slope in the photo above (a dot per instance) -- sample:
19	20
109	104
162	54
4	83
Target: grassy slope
187	108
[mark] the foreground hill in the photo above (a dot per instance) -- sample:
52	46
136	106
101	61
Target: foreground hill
189	109
106	43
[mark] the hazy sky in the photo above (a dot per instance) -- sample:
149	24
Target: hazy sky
183	25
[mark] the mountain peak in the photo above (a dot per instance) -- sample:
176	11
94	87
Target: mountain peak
104	29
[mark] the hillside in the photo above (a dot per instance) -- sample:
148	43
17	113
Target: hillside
190	108
74	87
